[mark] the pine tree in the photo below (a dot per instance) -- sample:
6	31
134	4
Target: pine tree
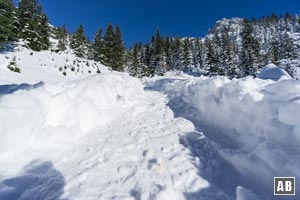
33	25
135	65
227	56
187	55
167	49
211	59
275	51
198	54
287	47
42	29
108	46
97	47
62	36
78	42
8	30
250	57
119	51
175	53
291	70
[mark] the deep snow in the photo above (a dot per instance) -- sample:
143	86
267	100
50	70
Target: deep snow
252	126
112	136
105	135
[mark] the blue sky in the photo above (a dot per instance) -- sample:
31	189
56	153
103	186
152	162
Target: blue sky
138	19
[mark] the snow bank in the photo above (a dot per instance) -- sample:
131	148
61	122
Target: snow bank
102	137
273	72
259	119
59	114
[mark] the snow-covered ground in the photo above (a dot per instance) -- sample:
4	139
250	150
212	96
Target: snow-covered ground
252	130
44	66
112	136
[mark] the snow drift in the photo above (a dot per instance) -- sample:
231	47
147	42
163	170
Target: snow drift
273	72
257	121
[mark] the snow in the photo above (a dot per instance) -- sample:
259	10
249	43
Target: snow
44	66
273	72
101	137
112	136
252	123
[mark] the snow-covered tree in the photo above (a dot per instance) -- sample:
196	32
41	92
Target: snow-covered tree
8	29
62	36
250	56
97	47
187	55
78	42
33	25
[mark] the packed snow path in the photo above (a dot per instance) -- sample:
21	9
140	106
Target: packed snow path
49	152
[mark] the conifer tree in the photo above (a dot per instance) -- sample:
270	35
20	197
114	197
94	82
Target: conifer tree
8	30
135	65
167	50
119	50
187	55
250	57
33	25
275	51
291	70
175	53
210	59
228	56
108	46
62	36
97	47
287	47
78	42
198	54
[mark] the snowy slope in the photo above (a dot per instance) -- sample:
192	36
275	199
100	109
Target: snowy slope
44	66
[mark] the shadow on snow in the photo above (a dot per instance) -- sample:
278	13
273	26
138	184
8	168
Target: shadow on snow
9	89
38	181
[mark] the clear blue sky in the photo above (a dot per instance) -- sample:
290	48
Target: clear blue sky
139	18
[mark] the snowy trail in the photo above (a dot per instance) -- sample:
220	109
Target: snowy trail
113	137
249	134
137	154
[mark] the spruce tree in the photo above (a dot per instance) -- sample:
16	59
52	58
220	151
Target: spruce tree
175	53
8	30
62	36
97	46
250	57
119	51
275	51
135	65
288	47
291	70
227	55
33	25
210	60
78	42
108	46
198	53
187	55
158	57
